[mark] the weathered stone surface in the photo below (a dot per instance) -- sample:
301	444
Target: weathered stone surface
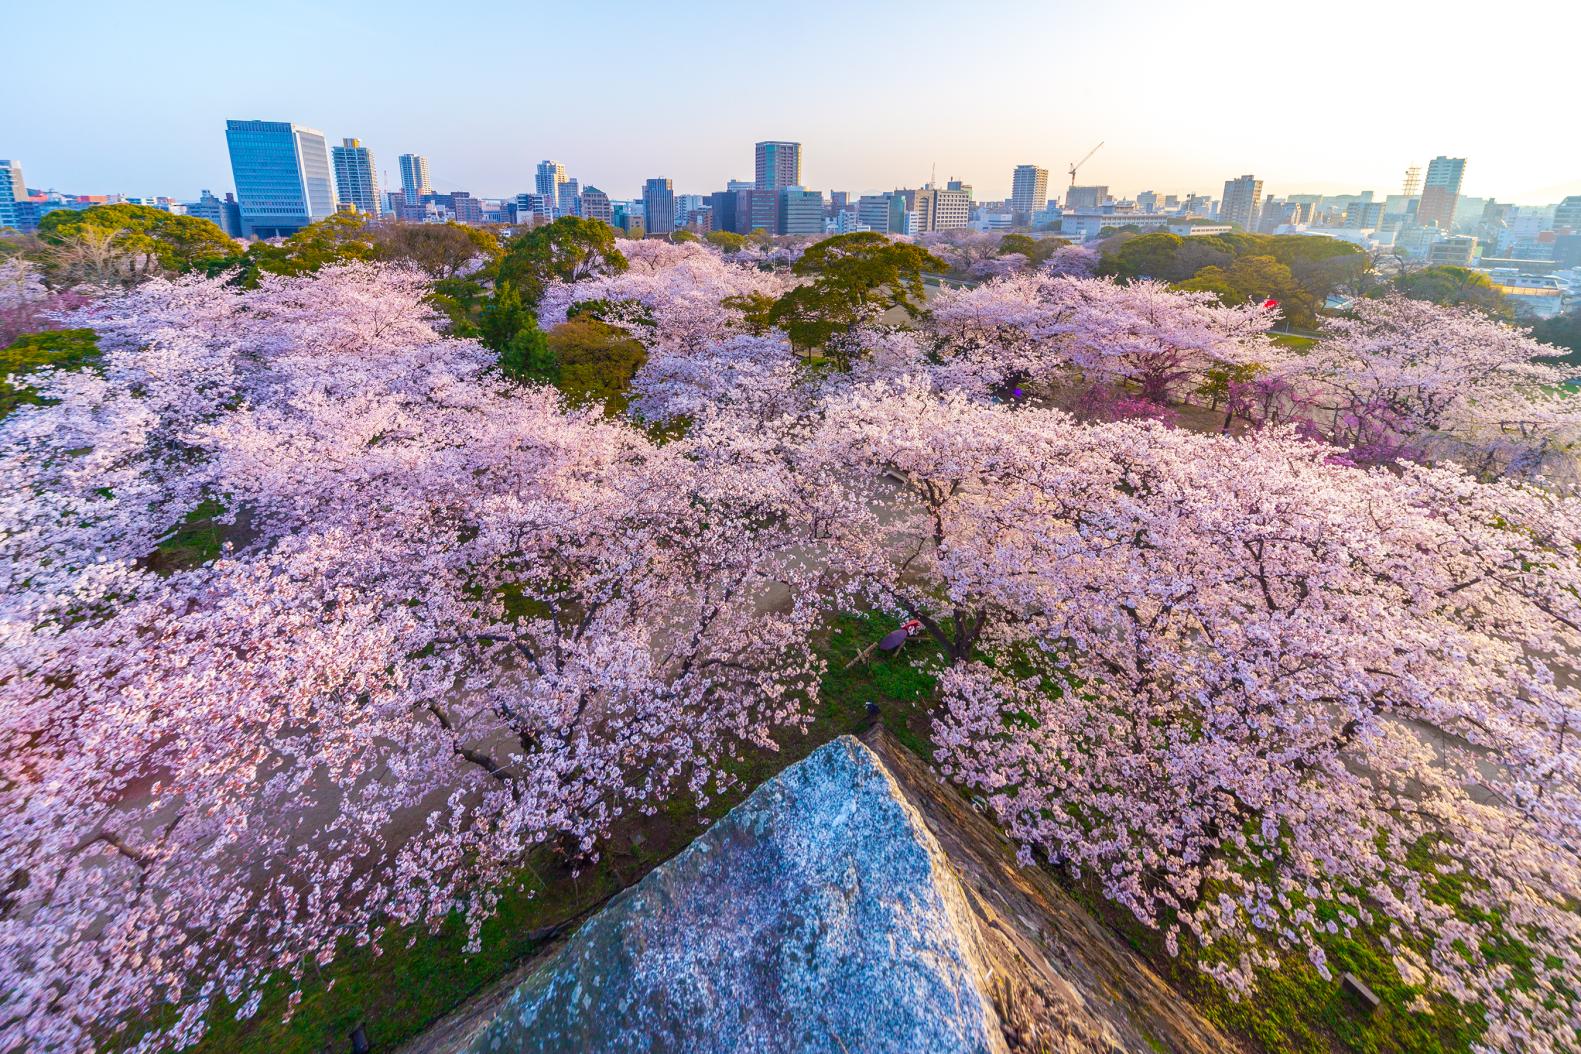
819	915
855	905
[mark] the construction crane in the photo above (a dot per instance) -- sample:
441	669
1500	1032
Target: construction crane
1082	162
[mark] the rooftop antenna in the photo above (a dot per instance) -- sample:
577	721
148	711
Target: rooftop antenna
1082	162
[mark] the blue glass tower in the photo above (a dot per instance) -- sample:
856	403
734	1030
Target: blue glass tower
283	176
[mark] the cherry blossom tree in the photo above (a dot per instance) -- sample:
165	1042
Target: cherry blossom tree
1259	697
1408	378
458	623
1142	335
27	304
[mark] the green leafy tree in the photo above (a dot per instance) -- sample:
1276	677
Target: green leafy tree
853	279
340	238
726	241
1562	331
683	236
442	250
567	249
756	311
174	243
527	357
504	317
1036	250
594	361
1456	287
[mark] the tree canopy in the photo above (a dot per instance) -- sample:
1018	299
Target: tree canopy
565	250
1452	286
852	279
170	242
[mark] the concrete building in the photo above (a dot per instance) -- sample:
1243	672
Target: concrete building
1086	197
882	212
778	165
596	205
1441	192
1453	252
939	210
12	191
801	211
1364	215
1029	188
685	205
284	180
465	208
223	214
357	177
658	206
1199	230
1241	200
414	178
532	207
1567	214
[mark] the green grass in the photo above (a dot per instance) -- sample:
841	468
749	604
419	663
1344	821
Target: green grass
1293	340
400	993
65	349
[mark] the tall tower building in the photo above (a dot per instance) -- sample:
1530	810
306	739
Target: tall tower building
1241	199
414	178
1441	192
658	206
1029	190
778	165
550	175
284	180
568	198
12	190
357	177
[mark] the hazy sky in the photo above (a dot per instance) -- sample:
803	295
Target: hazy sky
1320	96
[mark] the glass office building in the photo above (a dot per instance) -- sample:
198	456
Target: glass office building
284	180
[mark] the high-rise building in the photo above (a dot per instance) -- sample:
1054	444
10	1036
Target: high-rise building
414	178
685	205
965	188
1364	215
882	212
778	165
357	177
1086	197
1567	214
1241	198
12	190
1029	188
1441	192
550	175
596	205
1412	186
939	210
568	198
801	211
658	206
283	176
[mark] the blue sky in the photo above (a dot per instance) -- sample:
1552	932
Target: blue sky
1321	97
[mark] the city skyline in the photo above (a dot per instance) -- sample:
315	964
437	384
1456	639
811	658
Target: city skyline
1019	98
